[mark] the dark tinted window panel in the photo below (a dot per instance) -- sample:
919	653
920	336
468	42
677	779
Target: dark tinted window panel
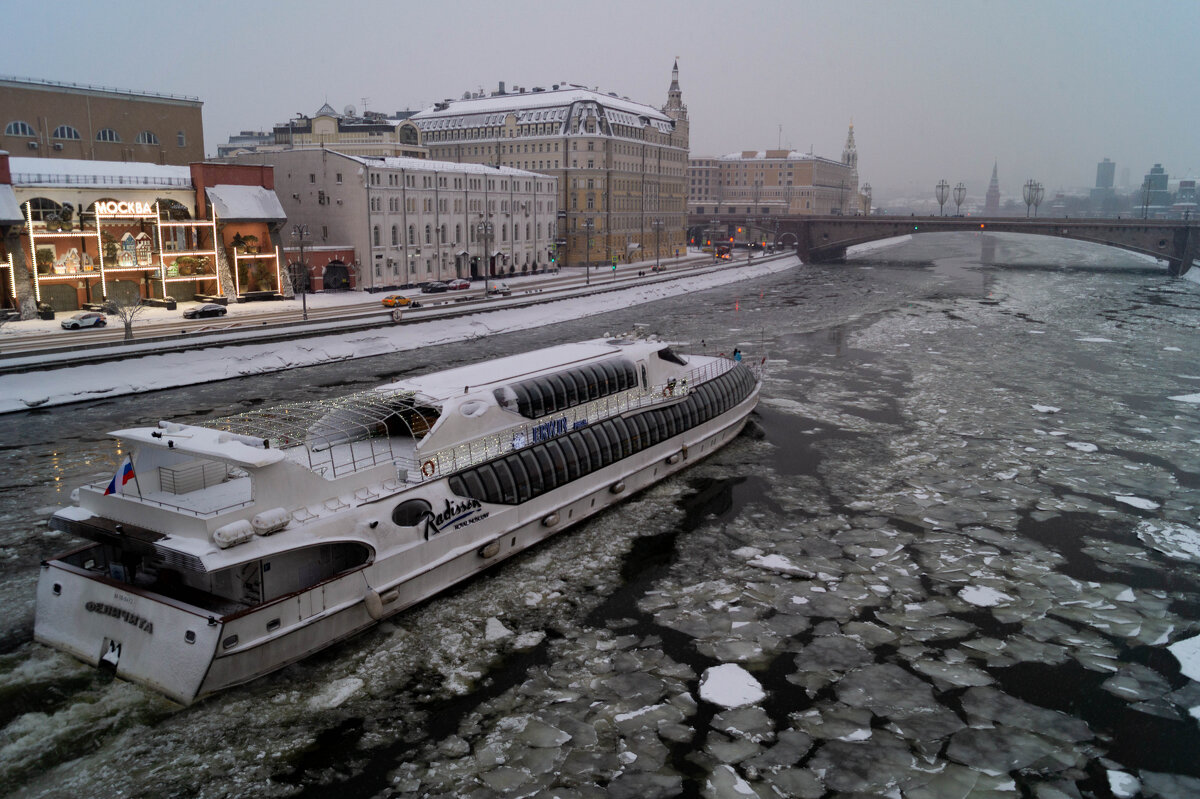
549	474
619	433
559	460
536	406
522	399
559	389
568	382
520	477
474	486
533	472
610	375
491	484
410	514
589	450
638	435
606	449
508	485
574	467
457	485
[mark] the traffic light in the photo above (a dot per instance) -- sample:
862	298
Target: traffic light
552	256
739	230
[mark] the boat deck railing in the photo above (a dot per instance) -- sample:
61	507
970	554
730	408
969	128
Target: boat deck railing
432	465
133	495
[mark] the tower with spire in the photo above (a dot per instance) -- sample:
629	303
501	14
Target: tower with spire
677	111
991	203
850	159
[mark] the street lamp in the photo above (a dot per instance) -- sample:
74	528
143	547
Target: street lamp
657	224
484	228
713	238
866	191
589	227
960	194
1039	193
749	249
942	191
299	271
1032	192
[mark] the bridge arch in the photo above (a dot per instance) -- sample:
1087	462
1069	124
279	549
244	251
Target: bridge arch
827	237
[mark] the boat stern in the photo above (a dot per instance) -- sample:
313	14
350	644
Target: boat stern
161	644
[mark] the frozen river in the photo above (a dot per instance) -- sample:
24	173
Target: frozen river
946	560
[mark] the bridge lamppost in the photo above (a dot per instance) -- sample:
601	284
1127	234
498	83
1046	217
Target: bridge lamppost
942	191
866	192
1038	193
960	194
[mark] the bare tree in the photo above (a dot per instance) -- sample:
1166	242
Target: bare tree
126	309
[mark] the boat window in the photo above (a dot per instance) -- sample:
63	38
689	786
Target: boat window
474	486
491	483
638	434
621	437
561	475
546	466
410	513
667	354
606	449
614	383
522	393
572	389
520	477
559	390
574	468
591	446
537	405
601	379
508	485
534	471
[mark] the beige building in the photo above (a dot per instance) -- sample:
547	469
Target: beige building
372	134
763	182
621	166
412	220
43	119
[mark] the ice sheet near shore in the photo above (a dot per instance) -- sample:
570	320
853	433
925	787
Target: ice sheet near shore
20	392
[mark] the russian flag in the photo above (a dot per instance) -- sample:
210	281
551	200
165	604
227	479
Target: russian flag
124	475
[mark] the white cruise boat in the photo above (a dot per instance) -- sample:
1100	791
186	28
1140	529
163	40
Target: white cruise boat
226	550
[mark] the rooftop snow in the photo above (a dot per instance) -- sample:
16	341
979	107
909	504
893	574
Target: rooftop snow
546	99
52	171
426	165
10	211
245	203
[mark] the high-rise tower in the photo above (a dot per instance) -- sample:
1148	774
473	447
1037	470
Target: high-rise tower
850	159
991	203
676	110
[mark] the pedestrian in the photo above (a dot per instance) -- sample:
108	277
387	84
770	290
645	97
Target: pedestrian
737	354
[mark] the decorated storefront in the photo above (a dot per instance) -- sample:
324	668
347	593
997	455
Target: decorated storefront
95	232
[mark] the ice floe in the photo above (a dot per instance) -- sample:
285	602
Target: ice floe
731	686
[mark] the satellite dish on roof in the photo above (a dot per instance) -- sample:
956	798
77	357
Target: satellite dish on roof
349	110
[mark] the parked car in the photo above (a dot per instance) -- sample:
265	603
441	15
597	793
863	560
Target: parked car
498	287
396	301
205	311
459	284
85	319
436	287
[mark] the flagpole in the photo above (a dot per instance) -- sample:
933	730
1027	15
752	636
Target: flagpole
136	482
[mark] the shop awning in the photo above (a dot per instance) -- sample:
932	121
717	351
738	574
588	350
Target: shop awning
245	204
10	210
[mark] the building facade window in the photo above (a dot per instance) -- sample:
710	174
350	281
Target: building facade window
375	235
109	135
181	139
395	235
19	128
66	132
147	137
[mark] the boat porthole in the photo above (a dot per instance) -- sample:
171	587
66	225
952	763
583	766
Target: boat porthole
272	625
189	637
230	642
550	520
617	488
490	550
57	589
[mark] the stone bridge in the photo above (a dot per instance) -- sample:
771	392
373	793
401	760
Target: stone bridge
825	238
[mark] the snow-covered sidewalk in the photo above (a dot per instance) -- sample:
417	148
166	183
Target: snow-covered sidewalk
170	370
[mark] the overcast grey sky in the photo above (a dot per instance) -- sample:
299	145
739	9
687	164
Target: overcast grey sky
935	89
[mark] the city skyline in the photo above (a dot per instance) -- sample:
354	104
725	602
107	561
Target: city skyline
934	90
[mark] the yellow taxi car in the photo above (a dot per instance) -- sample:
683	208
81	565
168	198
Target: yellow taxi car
396	301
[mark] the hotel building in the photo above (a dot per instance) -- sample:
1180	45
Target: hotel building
620	166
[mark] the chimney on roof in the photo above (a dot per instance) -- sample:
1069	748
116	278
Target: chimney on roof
501	87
